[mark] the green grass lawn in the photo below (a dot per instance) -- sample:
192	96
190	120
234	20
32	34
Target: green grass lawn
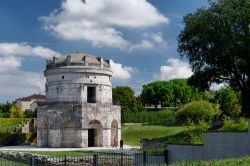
4	162
68	153
133	134
229	162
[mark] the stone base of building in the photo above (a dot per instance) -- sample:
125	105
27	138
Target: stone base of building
68	125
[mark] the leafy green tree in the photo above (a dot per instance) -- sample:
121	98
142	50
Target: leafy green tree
126	97
174	92
229	102
216	42
29	113
15	112
4	108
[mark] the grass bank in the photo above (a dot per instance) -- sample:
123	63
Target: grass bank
133	134
229	162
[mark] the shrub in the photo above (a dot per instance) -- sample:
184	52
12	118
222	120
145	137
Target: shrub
231	125
15	112
29	114
197	135
5	115
196	111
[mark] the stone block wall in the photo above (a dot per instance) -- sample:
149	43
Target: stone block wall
217	145
59	126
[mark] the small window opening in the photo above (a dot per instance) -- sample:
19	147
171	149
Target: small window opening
91	94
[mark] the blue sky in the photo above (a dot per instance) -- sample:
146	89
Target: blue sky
138	35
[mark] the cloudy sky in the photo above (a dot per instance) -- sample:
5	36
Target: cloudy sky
139	36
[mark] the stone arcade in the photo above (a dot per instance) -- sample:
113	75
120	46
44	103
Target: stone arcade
78	111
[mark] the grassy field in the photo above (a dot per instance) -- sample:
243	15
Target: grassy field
133	134
230	162
67	153
4	162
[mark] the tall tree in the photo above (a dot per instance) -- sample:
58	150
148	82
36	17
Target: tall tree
126	97
228	101
168	93
216	41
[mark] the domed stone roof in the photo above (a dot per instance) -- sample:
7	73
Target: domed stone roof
78	59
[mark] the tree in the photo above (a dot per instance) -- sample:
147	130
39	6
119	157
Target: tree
155	93
15	112
174	92
216	42
229	102
125	96
5	107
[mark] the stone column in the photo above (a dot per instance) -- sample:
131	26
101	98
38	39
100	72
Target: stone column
106	137
54	138
82	138
39	139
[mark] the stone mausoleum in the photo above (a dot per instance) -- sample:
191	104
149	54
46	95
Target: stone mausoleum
78	111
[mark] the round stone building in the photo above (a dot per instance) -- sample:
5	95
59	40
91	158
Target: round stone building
78	111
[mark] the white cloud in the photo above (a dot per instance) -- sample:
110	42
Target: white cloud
20	83
9	64
155	37
149	40
144	44
98	21
14	82
23	49
121	72
174	69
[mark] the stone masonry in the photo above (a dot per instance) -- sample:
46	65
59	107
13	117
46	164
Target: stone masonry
78	111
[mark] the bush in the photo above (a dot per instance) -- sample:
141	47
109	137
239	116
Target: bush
5	115
15	112
231	125
29	114
196	111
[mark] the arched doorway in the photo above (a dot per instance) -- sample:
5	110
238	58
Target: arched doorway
95	134
68	134
45	134
114	133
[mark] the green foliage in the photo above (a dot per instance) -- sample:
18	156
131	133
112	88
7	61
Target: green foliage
162	116
5	115
4	108
231	125
216	40
229	101
29	114
15	112
172	93
10	125
196	111
129	103
197	135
